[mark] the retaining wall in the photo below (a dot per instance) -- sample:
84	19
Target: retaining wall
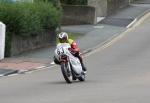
107	7
78	15
100	6
21	44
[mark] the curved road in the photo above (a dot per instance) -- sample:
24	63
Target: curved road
119	73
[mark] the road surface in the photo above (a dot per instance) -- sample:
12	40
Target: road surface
120	73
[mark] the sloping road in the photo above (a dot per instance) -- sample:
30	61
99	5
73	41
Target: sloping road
119	73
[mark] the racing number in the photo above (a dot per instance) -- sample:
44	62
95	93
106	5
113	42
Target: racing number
60	51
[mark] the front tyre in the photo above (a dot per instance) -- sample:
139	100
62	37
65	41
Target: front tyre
66	71
82	77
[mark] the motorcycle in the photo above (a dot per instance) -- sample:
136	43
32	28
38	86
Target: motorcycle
70	65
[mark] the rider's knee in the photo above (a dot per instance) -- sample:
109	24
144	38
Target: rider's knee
56	61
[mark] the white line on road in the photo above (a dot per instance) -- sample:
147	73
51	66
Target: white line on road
132	23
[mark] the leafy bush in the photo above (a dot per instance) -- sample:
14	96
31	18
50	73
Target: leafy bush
55	3
26	19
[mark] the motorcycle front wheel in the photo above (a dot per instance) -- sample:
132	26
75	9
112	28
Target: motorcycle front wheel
66	71
82	77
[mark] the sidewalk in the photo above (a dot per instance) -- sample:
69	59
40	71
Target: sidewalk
94	35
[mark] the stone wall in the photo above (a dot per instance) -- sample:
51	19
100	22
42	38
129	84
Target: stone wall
100	6
107	7
21	44
123	3
114	5
78	15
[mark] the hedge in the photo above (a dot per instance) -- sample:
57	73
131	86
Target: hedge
30	19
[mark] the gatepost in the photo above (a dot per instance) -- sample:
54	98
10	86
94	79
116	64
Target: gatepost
2	40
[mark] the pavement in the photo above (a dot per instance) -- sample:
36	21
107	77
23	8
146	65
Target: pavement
94	35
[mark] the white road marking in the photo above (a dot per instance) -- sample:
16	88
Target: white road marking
132	23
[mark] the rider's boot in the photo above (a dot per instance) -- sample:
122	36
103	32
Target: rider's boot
82	64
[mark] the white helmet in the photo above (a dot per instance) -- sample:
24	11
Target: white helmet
63	35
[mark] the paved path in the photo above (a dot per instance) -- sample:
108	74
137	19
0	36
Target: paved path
95	35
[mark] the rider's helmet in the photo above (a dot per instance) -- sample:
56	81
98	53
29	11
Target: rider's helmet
63	37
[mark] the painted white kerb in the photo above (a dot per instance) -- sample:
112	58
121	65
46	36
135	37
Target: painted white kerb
2	40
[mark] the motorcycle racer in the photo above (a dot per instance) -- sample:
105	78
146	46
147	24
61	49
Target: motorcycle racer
63	38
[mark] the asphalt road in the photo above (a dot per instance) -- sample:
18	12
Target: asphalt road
120	73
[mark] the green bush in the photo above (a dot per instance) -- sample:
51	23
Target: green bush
26	19
55	3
